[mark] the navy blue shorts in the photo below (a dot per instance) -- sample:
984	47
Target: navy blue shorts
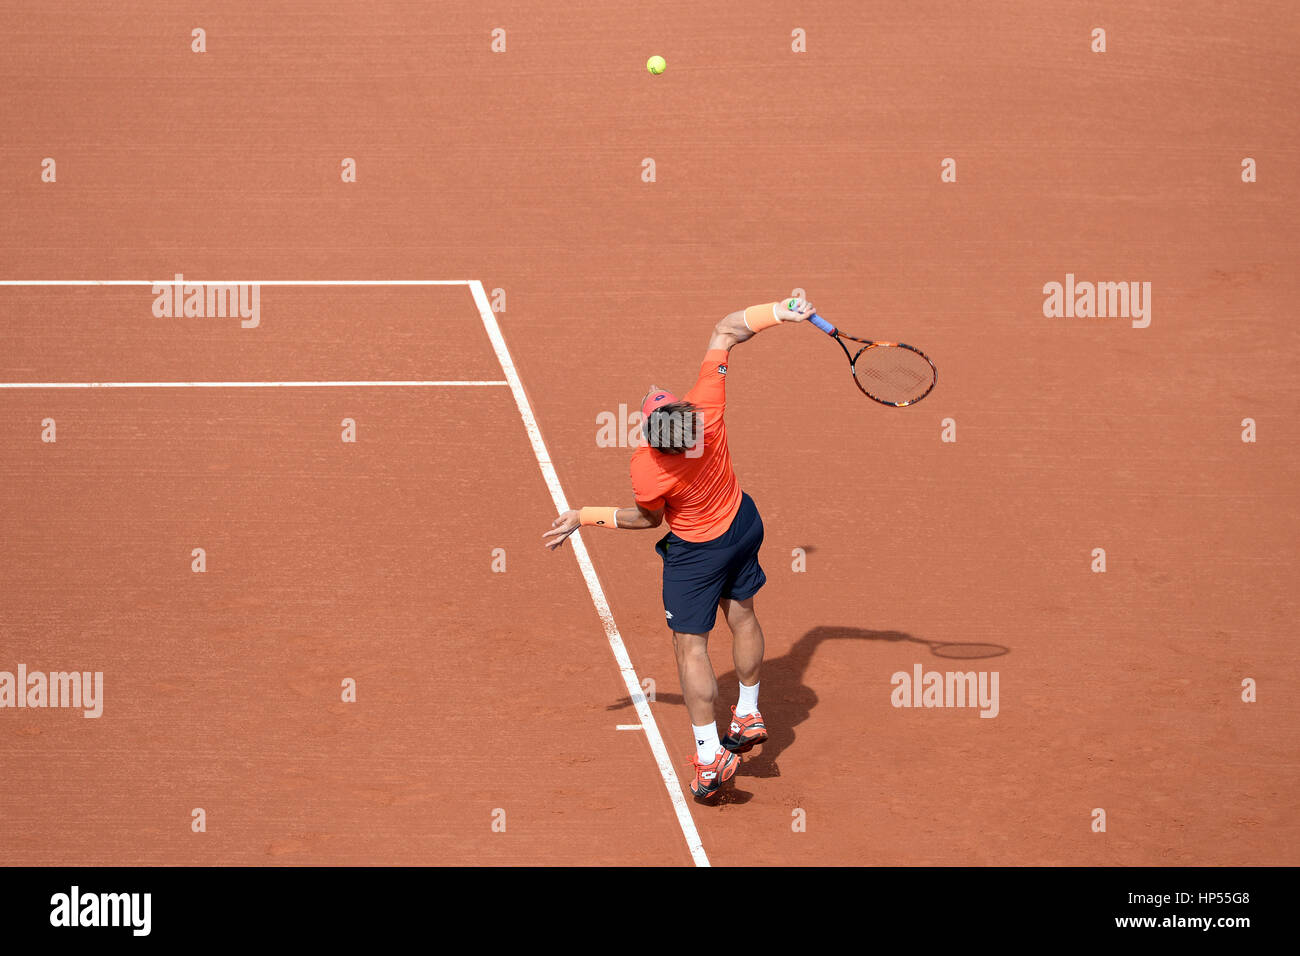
699	574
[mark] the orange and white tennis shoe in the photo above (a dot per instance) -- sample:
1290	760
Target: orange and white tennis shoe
709	777
745	732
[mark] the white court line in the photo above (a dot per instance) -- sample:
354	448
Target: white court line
627	726
380	384
630	679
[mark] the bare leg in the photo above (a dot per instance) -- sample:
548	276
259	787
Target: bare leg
746	639
699	686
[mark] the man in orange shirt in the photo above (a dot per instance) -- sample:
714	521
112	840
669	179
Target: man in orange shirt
710	556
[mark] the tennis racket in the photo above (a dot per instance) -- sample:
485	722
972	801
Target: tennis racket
891	373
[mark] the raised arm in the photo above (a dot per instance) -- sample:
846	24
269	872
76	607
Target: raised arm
745	324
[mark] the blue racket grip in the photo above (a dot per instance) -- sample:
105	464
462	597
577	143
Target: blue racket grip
821	323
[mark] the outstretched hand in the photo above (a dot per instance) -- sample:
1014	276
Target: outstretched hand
561	528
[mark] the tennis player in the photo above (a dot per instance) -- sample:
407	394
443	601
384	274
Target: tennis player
710	555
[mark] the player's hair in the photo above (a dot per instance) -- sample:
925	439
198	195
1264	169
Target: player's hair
673	428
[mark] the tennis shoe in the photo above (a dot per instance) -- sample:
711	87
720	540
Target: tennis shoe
745	732
709	777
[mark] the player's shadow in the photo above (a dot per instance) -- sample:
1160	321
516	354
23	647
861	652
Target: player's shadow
786	701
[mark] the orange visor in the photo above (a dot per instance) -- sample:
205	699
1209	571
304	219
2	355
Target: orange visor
654	400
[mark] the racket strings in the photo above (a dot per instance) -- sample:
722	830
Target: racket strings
897	376
894	374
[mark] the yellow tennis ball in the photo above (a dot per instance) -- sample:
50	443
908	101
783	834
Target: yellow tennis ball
655	65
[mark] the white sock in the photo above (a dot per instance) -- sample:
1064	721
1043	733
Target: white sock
748	701
706	742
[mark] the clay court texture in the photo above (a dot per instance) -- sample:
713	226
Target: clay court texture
358	652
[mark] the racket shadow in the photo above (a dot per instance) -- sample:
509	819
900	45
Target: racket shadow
787	701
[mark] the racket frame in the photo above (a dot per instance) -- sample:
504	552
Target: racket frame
868	344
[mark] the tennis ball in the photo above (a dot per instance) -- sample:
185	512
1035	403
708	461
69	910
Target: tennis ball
655	65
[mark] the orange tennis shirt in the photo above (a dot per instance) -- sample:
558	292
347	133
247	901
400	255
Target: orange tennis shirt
698	491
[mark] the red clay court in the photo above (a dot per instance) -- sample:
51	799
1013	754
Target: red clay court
498	280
